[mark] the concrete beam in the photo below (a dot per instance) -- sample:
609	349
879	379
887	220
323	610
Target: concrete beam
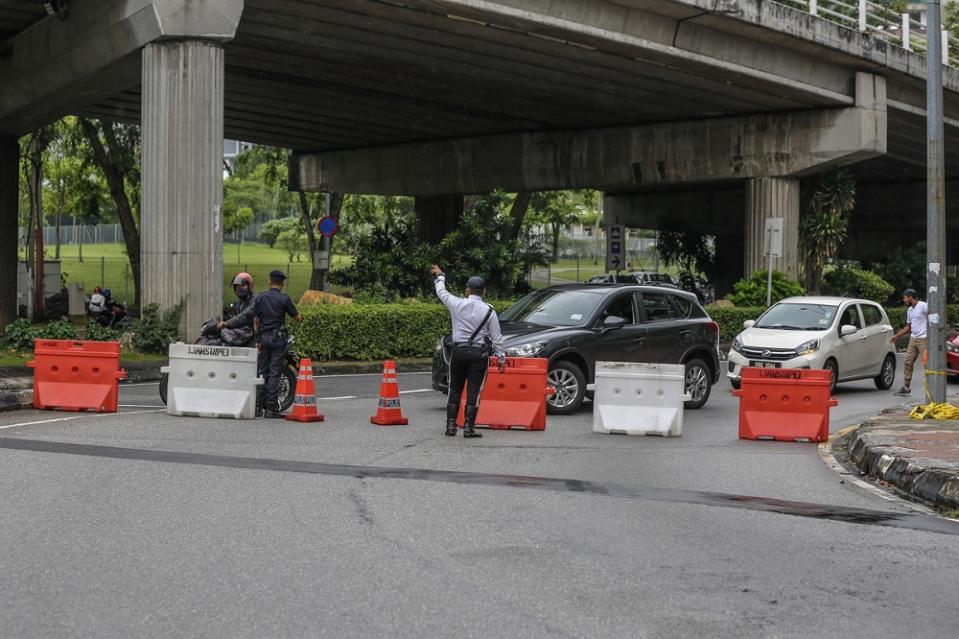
790	144
56	66
9	204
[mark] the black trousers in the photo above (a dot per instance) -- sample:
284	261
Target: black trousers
269	366
468	368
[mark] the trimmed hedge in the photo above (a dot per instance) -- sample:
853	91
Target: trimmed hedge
385	331
373	331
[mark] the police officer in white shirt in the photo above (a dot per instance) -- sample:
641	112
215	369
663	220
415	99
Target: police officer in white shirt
917	327
476	335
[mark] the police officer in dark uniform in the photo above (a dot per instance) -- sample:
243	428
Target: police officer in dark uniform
269	311
476	336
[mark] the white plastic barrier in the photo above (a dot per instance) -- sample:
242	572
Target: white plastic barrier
212	381
639	399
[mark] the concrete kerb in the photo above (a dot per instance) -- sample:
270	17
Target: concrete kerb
918	459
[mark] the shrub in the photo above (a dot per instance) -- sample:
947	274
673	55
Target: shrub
98	333
19	335
731	320
57	330
374	331
154	332
851	281
752	291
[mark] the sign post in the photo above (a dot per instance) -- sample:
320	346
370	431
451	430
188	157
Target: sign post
615	247
774	248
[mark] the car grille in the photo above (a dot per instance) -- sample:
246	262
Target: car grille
768	354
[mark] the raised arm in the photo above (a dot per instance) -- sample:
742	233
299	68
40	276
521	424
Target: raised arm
450	300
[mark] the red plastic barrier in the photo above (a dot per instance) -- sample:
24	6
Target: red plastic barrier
785	404
76	375
514	399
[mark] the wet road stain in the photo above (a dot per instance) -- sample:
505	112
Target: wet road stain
911	521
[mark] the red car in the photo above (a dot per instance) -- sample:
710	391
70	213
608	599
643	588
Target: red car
952	356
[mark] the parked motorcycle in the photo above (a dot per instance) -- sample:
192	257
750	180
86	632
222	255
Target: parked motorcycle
102	308
211	335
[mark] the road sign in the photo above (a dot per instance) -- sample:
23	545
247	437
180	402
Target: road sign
774	236
327	226
321	260
615	247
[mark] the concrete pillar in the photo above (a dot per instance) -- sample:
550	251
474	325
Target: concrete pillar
438	215
729	263
182	193
766	198
9	203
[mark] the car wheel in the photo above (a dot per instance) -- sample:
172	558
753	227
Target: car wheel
698	384
833	368
164	382
570	386
887	376
735	383
285	389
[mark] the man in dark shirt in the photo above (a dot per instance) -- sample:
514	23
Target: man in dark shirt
269	311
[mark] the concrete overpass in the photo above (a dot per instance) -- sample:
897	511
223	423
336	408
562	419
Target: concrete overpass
702	114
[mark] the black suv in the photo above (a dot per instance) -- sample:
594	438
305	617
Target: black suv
576	325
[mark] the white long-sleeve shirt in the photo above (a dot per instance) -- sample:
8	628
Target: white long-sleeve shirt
467	314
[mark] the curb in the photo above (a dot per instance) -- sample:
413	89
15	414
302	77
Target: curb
16	393
929	481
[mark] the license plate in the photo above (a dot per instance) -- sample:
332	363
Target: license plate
764	364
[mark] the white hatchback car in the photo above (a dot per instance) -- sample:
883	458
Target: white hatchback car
849	337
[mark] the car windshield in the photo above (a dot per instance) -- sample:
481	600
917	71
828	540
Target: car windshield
660	277
798	317
554	308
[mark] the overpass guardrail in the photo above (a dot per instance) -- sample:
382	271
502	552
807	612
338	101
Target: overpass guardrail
905	30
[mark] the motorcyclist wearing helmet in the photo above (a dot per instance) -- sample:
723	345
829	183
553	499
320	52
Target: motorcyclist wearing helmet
238	330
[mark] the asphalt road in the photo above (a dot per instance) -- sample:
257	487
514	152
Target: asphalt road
141	524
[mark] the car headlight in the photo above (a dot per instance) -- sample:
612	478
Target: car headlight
808	348
525	350
738	344
952	348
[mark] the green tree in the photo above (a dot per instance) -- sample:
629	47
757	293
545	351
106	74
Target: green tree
752	292
825	225
557	211
115	149
271	230
693	253
293	242
237	220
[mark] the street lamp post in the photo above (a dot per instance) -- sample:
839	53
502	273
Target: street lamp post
935	207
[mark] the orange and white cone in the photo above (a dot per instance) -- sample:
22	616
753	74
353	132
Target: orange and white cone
389	412
304	404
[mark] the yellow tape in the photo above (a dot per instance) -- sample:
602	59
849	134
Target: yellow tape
933	410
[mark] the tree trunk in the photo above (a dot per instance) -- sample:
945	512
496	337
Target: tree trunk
316	275
58	235
556	229
115	180
319	275
518	212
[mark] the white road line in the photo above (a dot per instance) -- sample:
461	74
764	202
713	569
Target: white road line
367	374
328	399
140	406
418	390
72	417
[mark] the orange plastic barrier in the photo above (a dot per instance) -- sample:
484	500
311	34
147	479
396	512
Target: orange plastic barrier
514	399
389	412
304	403
785	404
76	375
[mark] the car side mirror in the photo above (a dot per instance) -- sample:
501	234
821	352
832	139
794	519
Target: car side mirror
749	323
613	321
847	330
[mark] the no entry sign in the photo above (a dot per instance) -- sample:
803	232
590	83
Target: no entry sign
327	227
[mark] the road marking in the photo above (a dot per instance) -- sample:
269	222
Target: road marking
330	399
80	416
840	514
366	375
418	390
139	406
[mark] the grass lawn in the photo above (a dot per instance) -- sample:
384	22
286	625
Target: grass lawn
107	264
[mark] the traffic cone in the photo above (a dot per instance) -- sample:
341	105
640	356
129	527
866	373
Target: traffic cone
389	412
304	404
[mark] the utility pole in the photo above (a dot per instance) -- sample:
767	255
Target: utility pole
935	206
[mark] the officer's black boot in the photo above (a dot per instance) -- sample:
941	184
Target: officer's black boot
469	429
451	411
273	410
